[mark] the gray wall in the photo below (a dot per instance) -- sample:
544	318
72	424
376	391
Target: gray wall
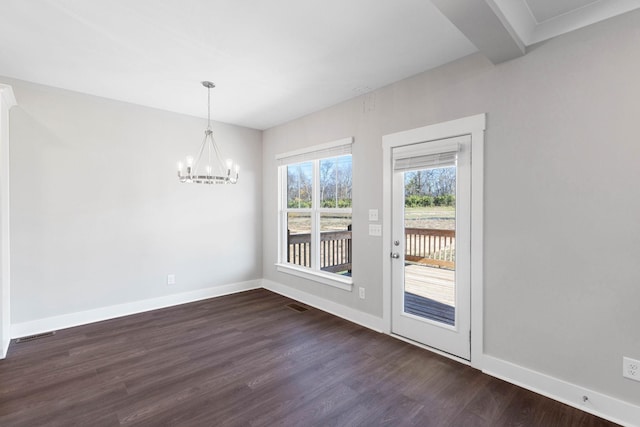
98	216
562	167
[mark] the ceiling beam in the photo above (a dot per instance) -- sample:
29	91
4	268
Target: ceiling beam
484	25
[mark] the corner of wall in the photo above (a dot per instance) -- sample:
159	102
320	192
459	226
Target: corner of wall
356	316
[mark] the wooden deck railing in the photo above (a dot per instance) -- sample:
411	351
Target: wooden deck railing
335	250
431	247
425	246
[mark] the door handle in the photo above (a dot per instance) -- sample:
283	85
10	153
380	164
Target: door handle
395	255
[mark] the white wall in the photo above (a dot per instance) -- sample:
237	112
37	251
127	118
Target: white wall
562	234
99	217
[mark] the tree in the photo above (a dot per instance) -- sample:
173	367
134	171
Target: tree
335	182
446	181
437	183
327	180
415	182
299	185
344	178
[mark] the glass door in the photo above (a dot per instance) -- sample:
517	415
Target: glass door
431	244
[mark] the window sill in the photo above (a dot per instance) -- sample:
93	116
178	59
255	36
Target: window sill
337	281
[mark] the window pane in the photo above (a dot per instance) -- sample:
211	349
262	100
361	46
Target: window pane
335	182
299	185
299	238
335	243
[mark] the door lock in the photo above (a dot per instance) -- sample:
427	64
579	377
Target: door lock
396	243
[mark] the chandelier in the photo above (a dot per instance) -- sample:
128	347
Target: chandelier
208	166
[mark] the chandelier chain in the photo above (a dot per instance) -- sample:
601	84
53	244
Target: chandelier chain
208	107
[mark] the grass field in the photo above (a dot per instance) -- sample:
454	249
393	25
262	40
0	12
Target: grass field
439	217
300	223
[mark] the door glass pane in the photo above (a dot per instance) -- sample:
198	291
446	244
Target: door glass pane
430	243
335	243
299	238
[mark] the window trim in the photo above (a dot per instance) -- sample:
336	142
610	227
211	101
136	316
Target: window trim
319	151
331	279
312	154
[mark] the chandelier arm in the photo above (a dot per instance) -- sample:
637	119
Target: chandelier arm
209	159
218	154
199	157
211	150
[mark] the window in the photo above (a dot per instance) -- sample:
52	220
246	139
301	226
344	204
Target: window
315	213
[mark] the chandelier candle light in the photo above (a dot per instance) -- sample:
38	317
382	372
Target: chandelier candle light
215	171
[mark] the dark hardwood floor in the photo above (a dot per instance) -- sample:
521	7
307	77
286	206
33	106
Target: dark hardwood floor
247	359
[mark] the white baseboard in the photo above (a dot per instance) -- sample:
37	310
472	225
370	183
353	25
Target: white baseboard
4	348
598	404
356	316
104	313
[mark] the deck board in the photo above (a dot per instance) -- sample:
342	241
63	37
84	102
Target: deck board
430	293
428	308
436	284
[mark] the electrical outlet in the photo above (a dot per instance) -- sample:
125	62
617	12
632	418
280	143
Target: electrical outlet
631	368
361	292
171	279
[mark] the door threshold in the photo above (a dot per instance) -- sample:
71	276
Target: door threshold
432	349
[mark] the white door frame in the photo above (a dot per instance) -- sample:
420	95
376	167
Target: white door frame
474	126
7	100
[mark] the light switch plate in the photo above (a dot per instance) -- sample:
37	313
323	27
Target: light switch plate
375	230
373	214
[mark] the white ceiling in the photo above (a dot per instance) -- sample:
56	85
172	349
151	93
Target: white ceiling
543	10
272	61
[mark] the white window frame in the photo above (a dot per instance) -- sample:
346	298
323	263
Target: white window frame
314	155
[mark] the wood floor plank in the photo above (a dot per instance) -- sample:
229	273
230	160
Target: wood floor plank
491	400
248	360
